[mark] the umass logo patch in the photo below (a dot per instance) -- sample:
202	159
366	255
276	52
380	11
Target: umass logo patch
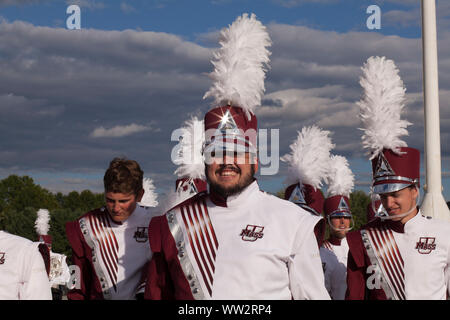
425	245
252	233
141	234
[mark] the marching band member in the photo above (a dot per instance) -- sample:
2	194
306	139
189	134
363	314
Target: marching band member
309	163
402	254
22	270
334	250
56	265
235	242
110	244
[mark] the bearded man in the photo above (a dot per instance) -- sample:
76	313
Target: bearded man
235	241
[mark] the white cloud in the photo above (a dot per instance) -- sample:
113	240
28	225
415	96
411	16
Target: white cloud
127	8
402	18
413	16
88	4
93	80
119	131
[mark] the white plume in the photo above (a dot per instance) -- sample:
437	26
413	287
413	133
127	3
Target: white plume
190	156
309	157
381	106
341	179
150	197
41	224
240	64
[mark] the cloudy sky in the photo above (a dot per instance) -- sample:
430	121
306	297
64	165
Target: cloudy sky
71	100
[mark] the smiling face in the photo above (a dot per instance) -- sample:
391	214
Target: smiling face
340	226
120	206
231	173
400	202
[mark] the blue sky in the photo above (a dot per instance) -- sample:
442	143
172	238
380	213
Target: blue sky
189	18
140	66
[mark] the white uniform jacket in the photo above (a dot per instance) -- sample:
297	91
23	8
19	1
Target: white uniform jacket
414	260
334	254
111	257
249	246
22	270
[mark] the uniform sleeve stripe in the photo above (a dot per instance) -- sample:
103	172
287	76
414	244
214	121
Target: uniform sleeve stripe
208	220
202	238
107	260
394	268
205	280
395	283
205	229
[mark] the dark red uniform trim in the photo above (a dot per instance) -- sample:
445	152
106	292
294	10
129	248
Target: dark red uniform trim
89	284
357	264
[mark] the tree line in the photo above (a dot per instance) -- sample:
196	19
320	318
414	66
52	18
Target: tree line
21	198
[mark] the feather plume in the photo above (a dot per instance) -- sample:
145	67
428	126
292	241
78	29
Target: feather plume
381	106
341	179
168	201
190	156
240	64
41	224
150	197
309	158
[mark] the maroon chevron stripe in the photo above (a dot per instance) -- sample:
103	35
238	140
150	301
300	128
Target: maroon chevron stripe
191	234
388	263
108	246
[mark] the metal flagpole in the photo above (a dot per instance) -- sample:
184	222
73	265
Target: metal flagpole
433	203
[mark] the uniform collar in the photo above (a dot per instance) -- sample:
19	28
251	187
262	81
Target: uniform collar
234	200
334	241
399	227
137	212
413	221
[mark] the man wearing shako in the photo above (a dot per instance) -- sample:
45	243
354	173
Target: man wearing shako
235	242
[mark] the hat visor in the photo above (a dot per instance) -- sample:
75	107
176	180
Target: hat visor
218	146
389	187
339	214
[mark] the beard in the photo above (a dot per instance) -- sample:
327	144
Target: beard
243	182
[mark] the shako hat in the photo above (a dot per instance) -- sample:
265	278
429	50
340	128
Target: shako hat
191	166
149	199
395	166
340	185
306	196
42	226
374	209
238	86
190	186
308	165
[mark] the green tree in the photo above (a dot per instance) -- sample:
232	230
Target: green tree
91	201
20	223
72	201
20	198
59	218
359	202
18	193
